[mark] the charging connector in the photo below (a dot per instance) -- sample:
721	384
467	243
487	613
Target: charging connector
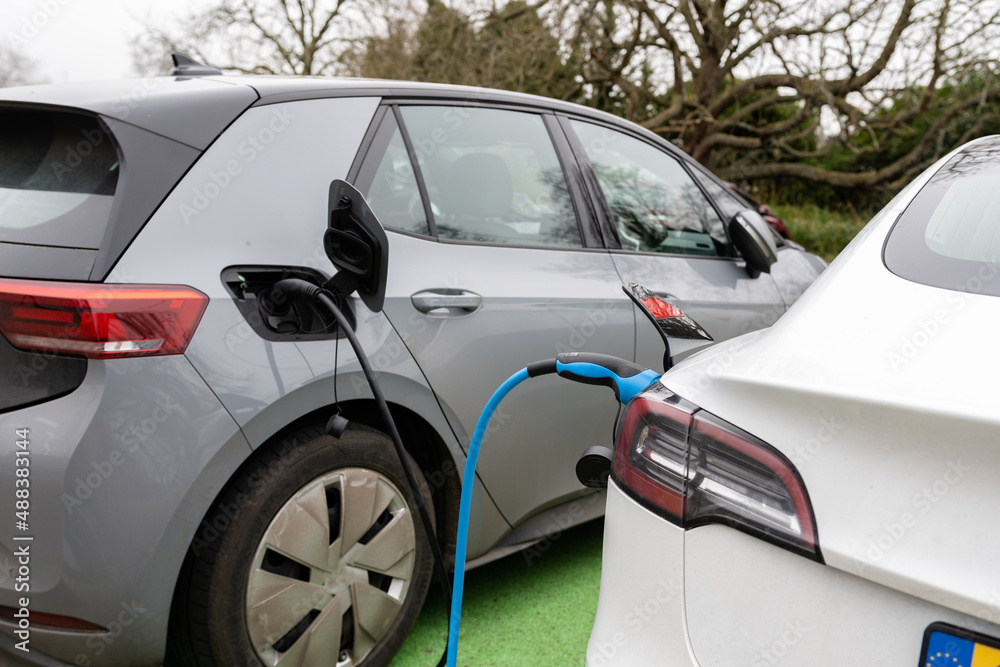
625	378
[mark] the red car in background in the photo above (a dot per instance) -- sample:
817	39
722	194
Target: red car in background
765	211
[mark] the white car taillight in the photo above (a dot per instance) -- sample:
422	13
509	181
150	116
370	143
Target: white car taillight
692	468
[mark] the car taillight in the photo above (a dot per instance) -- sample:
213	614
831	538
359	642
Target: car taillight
99	321
660	309
693	468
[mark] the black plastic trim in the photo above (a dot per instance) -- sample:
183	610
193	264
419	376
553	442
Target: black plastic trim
151	166
586	219
19	260
30	378
594	193
418	173
366	146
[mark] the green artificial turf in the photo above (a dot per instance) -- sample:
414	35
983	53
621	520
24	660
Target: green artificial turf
517	612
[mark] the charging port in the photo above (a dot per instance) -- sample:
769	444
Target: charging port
276	318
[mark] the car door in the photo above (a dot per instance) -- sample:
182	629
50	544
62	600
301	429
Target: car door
669	236
493	264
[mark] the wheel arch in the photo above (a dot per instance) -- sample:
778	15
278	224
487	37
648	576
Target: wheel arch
421	441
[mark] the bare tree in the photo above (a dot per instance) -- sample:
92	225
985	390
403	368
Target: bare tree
16	69
511	47
752	88
852	93
301	37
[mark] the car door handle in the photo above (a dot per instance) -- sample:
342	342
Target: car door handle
428	300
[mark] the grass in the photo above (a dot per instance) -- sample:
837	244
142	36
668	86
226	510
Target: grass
821	231
530	608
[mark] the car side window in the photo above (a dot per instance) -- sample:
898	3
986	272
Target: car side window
730	202
655	204
393	193
492	176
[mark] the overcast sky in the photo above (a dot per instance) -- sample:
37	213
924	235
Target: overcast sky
82	40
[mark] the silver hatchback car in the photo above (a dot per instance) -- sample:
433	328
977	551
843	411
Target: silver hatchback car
168	484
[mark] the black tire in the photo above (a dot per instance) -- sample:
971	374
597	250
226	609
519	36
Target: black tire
253	589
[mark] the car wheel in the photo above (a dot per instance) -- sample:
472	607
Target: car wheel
323	560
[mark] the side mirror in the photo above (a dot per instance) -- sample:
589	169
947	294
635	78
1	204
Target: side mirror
356	244
753	238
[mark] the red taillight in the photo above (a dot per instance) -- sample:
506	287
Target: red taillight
660	309
693	468
99	321
651	454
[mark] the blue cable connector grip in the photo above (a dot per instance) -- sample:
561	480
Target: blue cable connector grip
625	379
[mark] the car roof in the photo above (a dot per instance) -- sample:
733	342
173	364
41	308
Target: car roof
195	109
192	111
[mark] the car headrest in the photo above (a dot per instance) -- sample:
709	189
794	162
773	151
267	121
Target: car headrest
479	184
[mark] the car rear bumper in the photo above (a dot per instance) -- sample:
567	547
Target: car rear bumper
122	471
715	596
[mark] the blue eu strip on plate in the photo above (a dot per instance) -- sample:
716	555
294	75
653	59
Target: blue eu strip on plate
947	645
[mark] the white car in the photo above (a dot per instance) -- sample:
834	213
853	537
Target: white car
827	491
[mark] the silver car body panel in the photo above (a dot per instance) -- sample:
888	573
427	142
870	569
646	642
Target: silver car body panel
149	430
716	293
535	304
258	195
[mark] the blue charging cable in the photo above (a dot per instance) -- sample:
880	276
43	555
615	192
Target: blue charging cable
624	377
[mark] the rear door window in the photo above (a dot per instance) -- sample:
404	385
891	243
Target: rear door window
58	175
492	176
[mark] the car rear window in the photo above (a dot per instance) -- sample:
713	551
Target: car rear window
949	235
58	175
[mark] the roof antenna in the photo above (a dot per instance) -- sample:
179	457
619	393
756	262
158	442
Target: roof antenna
185	65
